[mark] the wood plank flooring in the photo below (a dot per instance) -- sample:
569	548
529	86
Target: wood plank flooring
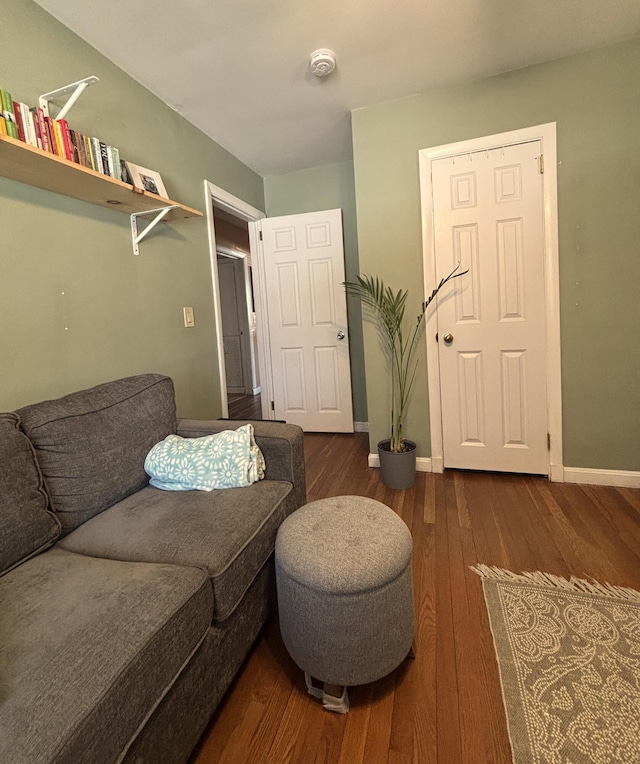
244	406
445	706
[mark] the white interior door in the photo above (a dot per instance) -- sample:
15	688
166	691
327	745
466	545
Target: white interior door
488	216
303	261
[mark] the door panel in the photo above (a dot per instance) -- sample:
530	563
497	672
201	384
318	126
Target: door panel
488	217
307	320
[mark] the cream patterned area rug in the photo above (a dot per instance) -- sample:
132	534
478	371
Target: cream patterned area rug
569	660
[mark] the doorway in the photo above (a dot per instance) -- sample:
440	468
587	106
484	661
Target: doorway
323	383
462	426
232	235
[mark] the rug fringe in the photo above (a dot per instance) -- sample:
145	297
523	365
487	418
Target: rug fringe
539	578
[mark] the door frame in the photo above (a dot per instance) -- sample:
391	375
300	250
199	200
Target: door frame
546	134
216	196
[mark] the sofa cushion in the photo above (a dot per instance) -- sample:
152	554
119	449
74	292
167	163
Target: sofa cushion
230	533
26	525
91	445
88	649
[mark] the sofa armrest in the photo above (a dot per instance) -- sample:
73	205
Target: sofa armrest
282	446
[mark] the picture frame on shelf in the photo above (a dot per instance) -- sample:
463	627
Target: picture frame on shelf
148	180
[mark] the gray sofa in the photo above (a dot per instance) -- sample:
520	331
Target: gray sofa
126	611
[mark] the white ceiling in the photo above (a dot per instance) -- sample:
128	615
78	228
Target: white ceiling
238	69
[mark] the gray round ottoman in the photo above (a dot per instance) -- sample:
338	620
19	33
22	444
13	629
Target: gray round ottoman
345	594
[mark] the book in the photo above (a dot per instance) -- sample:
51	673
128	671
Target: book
29	126
38	116
58	138
8	113
104	155
19	121
3	126
52	135
124	173
66	139
116	163
95	153
82	150
36	127
110	161
75	146
82	154
88	153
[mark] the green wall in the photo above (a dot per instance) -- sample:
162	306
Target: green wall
595	100
77	307
326	188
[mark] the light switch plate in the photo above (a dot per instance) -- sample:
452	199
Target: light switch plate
189	320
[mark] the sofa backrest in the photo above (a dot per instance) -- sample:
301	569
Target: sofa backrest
26	525
91	445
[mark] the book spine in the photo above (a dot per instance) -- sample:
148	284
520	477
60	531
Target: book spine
88	153
82	156
97	159
104	155
6	102
29	125
3	126
75	147
66	139
36	127
124	173
8	113
112	169
17	115
42	127
58	137
51	134
116	163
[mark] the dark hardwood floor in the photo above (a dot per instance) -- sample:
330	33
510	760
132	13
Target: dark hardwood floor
446	705
244	406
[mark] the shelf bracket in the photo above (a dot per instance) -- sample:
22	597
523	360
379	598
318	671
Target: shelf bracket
159	213
74	91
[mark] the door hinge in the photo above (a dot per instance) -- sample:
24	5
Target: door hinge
273	406
260	235
541	164
548	441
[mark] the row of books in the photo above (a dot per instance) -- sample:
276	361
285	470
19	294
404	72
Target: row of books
31	125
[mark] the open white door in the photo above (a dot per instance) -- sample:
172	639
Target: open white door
303	264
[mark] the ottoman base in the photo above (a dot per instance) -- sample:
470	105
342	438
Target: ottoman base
334	697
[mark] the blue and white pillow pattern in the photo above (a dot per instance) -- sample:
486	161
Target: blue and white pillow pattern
228	459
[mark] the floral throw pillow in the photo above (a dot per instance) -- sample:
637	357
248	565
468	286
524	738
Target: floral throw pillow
228	459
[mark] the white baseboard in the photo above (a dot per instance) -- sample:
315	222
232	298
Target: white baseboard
423	463
558	473
437	464
616	478
361	426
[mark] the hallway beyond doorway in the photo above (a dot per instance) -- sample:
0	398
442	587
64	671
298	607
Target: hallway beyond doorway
245	406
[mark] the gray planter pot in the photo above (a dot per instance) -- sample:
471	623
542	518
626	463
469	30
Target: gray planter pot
397	470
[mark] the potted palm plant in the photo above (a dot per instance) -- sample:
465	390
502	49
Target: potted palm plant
399	342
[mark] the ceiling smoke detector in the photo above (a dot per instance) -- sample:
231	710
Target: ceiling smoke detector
322	62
